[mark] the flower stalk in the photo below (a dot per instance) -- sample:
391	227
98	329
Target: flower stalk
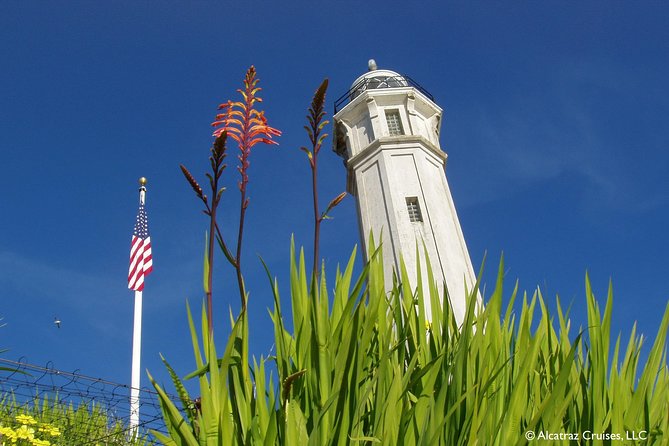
316	124
218	154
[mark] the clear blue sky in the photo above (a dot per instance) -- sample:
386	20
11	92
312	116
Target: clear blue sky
555	126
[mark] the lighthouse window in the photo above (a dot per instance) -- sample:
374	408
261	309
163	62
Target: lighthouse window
394	123
414	209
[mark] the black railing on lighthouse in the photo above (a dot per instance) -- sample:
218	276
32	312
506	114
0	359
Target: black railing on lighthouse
378	82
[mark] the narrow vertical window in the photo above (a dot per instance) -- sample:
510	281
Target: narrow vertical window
394	123
414	209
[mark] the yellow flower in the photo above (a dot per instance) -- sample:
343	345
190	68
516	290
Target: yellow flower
38	442
25	432
9	433
50	430
25	419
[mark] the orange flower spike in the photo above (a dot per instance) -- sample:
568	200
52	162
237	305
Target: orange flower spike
245	124
242	120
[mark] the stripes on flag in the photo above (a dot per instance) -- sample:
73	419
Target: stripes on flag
141	261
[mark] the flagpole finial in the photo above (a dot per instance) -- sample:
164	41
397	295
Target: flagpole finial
142	190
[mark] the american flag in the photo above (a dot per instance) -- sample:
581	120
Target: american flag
141	262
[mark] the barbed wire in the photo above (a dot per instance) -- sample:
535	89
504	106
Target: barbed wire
51	392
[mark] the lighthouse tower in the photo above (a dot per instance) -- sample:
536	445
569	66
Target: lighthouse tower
386	128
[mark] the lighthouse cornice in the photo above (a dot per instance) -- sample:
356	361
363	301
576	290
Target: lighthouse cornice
397	143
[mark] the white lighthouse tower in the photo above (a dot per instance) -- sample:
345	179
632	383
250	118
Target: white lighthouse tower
386	128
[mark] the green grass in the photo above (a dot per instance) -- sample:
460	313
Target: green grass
362	366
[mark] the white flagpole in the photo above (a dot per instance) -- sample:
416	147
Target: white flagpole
136	342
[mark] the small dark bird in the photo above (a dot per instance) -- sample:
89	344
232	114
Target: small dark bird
56	321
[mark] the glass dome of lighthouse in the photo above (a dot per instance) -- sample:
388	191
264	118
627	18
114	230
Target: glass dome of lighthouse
376	79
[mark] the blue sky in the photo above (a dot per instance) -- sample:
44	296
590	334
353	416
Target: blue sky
555	123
